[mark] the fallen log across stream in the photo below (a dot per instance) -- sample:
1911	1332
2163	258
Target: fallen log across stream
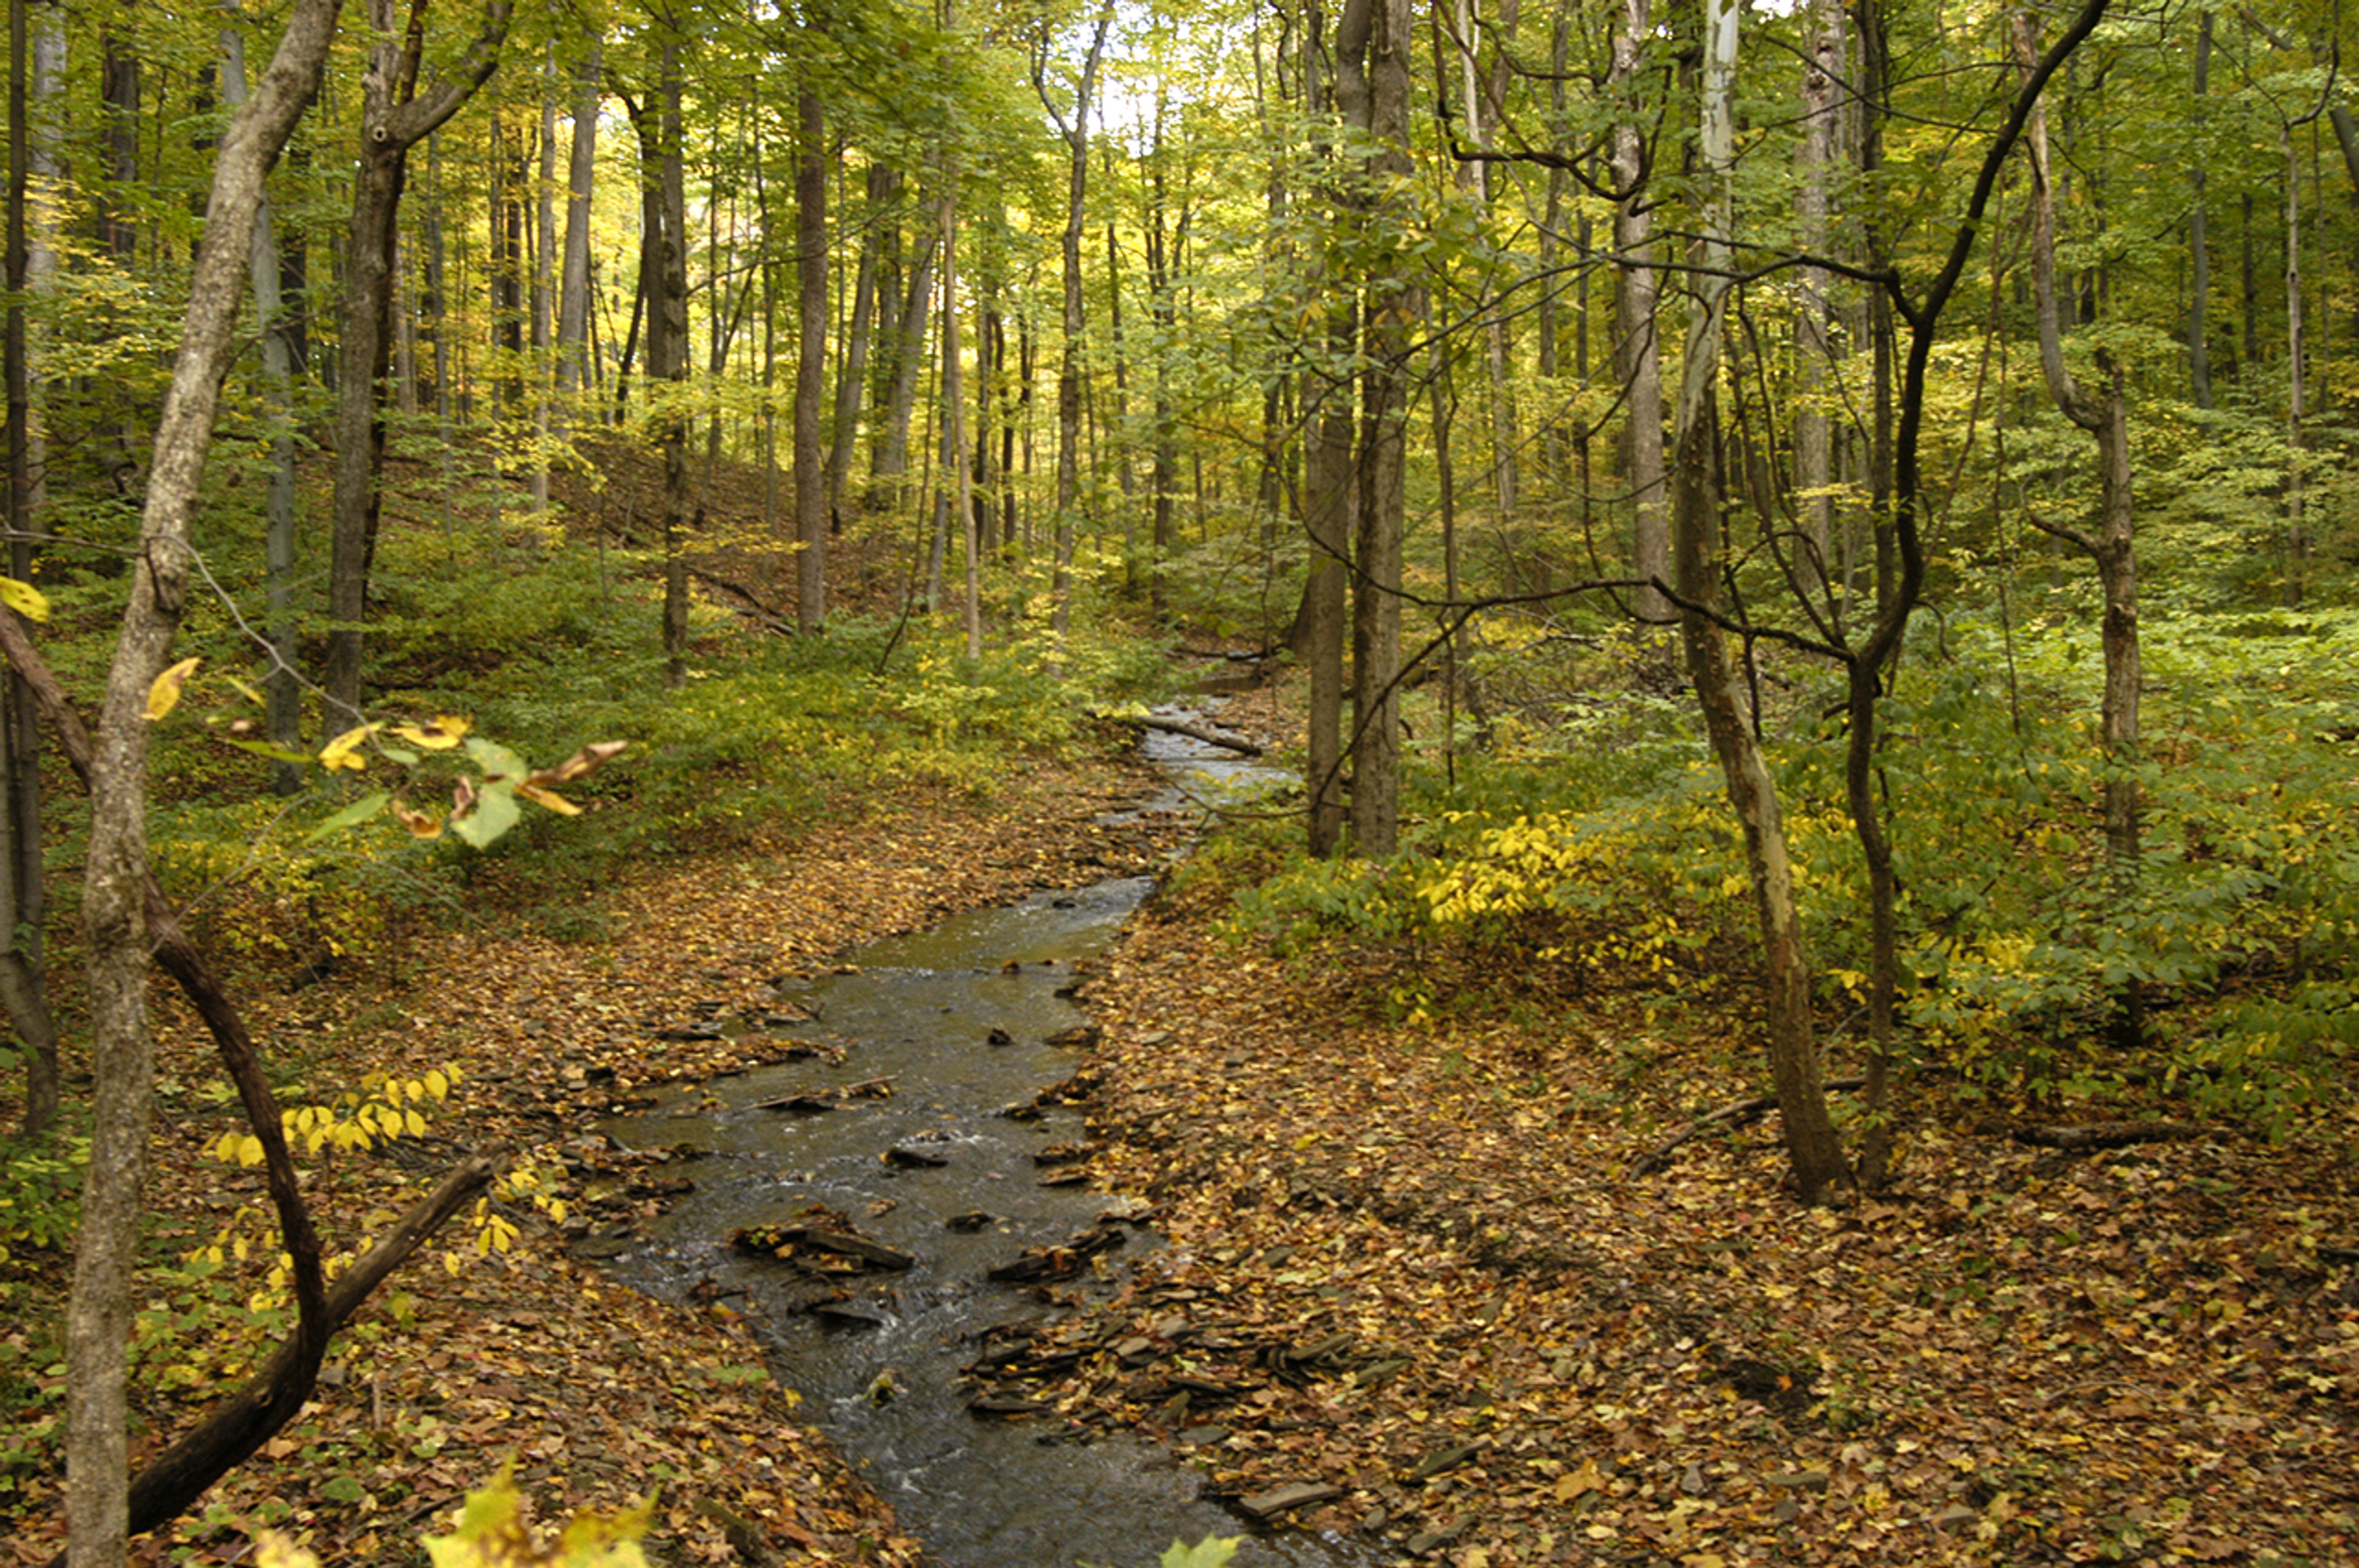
1180	727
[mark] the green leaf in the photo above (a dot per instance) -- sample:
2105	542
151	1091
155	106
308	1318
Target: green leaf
353	815
495	812
275	754
497	762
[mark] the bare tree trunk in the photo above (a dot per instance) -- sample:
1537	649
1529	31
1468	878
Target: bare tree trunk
1332	499
281	687
2199	244
115	918
884	188
1392	306
24	976
2111	545
1636	295
667	327
954	413
810	360
1076	132
393	121
1812	1144
544	287
575	376
891	459
1817	372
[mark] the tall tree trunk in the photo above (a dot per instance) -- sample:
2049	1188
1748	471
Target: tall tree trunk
1337	90
883	189
282	688
24	915
891	460
1075	129
811	162
2297	386
664	209
544	286
1393	307
2198	246
114	919
1810	1141
394	119
1637	294
2112	545
954	469
1160	305
1817	366
575	376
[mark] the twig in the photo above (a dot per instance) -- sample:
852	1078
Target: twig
1742	1111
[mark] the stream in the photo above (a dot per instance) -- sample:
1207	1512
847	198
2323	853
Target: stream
962	1021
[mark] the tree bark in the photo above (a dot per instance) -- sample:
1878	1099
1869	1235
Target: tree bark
1076	132
115	927
1636	298
282	688
1384	389
891	457
1812	1145
394	119
2111	545
812	161
23	974
573	369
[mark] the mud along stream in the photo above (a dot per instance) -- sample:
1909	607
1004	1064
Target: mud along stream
902	1205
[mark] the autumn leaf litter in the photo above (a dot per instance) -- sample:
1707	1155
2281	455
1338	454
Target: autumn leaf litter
1411	1291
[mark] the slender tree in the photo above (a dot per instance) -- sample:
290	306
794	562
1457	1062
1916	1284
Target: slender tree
394	119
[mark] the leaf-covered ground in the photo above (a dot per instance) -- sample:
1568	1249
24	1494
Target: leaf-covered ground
528	1355
1414	1289
1414	1282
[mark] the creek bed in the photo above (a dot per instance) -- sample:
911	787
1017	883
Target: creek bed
962	1023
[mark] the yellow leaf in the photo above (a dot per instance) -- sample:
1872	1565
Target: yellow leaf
249	1151
556	802
24	599
339	752
436	1084
1585	1479
417	1124
164	694
421	824
446	732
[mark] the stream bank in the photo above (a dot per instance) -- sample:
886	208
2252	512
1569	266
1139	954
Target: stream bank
906	1200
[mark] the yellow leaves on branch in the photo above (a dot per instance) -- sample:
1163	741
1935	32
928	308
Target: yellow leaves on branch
357	1122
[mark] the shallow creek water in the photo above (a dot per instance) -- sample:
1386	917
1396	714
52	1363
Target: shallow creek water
960	1018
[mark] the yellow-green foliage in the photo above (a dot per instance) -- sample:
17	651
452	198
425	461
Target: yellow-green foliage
494	1533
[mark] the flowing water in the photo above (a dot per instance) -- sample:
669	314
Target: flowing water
961	1020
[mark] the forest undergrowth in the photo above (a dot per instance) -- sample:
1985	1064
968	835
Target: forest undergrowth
1441	1269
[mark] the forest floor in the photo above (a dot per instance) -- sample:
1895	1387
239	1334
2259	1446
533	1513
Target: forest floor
1417	1289
528	1355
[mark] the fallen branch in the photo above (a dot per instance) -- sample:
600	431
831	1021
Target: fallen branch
2106	1134
1193	731
821	1099
242	1423
1735	1115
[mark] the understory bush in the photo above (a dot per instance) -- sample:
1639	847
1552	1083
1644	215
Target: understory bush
1621	865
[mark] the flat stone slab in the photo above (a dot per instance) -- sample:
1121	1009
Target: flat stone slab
1293	1495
